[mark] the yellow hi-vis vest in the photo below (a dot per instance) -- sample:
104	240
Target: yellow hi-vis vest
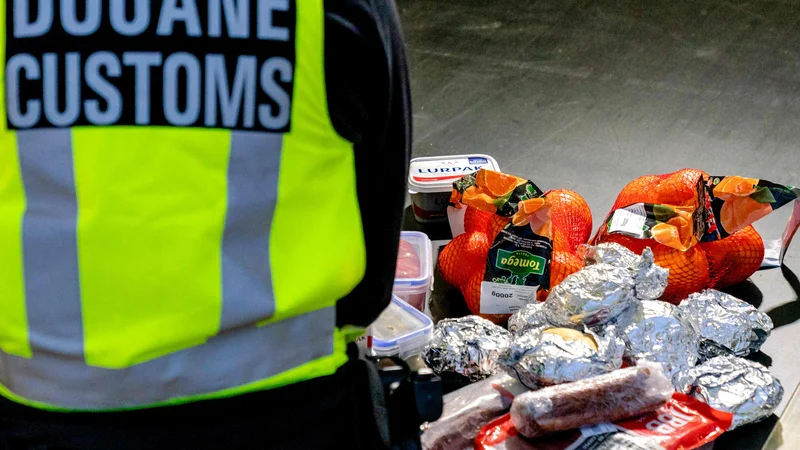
178	216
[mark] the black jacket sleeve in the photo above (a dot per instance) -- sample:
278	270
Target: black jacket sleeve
369	103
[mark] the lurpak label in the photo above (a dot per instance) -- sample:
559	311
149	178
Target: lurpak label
451	169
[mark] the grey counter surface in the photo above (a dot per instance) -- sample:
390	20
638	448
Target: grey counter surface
588	95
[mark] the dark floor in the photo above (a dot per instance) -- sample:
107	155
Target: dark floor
588	95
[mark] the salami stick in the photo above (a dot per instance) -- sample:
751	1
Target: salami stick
610	397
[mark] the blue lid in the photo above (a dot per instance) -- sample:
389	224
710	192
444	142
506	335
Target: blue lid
401	330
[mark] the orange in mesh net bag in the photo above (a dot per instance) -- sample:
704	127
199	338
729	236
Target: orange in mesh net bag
476	220
677	188
571	215
688	271
720	263
708	265
733	259
570	226
463	256
563	265
560	242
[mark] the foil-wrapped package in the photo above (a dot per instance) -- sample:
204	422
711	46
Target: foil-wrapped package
609	253
743	388
649	278
468	346
561	355
530	317
593	296
659	333
726	325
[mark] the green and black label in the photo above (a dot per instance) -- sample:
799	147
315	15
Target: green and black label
520	262
521	257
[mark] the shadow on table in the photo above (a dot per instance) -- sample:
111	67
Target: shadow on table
747	437
789	312
761	358
446	302
782	315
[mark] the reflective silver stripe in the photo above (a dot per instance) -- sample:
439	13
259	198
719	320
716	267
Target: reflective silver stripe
231	359
253	167
52	284
241	354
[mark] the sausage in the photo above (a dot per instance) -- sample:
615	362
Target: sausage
468	409
609	397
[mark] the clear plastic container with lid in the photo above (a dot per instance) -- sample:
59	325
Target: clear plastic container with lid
414	274
400	330
430	182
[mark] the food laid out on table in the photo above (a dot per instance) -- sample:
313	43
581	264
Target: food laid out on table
620	340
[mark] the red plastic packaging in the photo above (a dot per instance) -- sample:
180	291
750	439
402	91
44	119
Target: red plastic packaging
683	423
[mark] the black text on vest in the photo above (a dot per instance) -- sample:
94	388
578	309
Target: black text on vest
187	63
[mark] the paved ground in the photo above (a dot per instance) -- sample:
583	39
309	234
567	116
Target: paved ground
588	95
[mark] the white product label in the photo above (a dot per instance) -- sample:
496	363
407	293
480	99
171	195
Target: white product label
434	171
630	220
601	428
500	298
606	436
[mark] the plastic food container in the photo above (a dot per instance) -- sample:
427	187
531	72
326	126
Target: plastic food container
415	290
430	182
400	330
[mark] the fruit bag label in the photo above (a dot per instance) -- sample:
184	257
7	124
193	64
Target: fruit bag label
736	202
493	192
725	205
631	220
678	227
518	262
517	266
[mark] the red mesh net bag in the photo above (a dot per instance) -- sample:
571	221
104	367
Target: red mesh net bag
733	259
697	225
492	202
